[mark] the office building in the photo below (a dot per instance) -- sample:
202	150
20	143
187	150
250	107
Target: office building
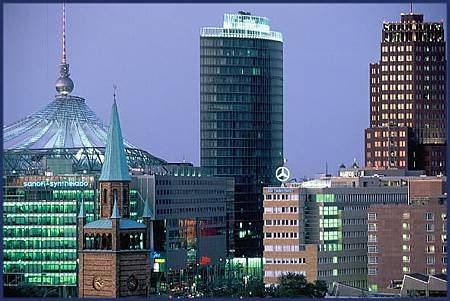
40	230
416	241
408	98
241	115
319	228
193	228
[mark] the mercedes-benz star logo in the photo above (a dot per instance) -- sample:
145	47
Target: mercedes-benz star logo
282	173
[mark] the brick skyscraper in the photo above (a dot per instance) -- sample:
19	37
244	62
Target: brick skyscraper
408	100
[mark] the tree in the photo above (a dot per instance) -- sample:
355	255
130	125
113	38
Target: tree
295	285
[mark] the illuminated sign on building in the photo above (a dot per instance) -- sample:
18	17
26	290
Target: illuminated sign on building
280	190
205	260
59	184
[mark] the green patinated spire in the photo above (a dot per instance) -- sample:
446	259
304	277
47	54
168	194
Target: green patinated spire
115	211
115	167
82	213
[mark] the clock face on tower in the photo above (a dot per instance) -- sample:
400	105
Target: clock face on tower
98	283
132	283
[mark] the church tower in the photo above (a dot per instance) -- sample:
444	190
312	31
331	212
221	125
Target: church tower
114	250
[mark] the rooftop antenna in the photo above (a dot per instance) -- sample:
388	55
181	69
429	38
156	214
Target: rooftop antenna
326	168
64	84
64	50
411	9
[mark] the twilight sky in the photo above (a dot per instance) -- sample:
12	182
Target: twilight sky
151	51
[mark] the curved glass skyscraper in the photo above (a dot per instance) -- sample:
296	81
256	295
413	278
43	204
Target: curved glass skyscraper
241	119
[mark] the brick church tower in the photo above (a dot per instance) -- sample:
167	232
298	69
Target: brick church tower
114	251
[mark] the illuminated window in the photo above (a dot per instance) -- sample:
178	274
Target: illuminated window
406	258
406	215
406	248
406	270
372	238
430	249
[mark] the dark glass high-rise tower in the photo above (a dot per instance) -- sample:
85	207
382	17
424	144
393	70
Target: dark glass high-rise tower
241	115
408	98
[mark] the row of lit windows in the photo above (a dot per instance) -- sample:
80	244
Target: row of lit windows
281	222
280	209
286	260
280	273
396	68
282	197
430	260
409	48
187	210
394	106
276	235
282	248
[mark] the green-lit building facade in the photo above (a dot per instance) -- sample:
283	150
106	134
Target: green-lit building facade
241	115
40	224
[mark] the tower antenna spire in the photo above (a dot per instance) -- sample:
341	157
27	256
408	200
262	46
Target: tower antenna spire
411	9
64	85
114	88
64	50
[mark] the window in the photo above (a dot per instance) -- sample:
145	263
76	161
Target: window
372	227
406	258
372	216
405	226
431	271
444	238
430	227
444	216
430	249
430	237
372	259
268	248
406	248
430	260
406	215
444	249
406	270
406	237
372	238
444	260
372	249
372	271
429	216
